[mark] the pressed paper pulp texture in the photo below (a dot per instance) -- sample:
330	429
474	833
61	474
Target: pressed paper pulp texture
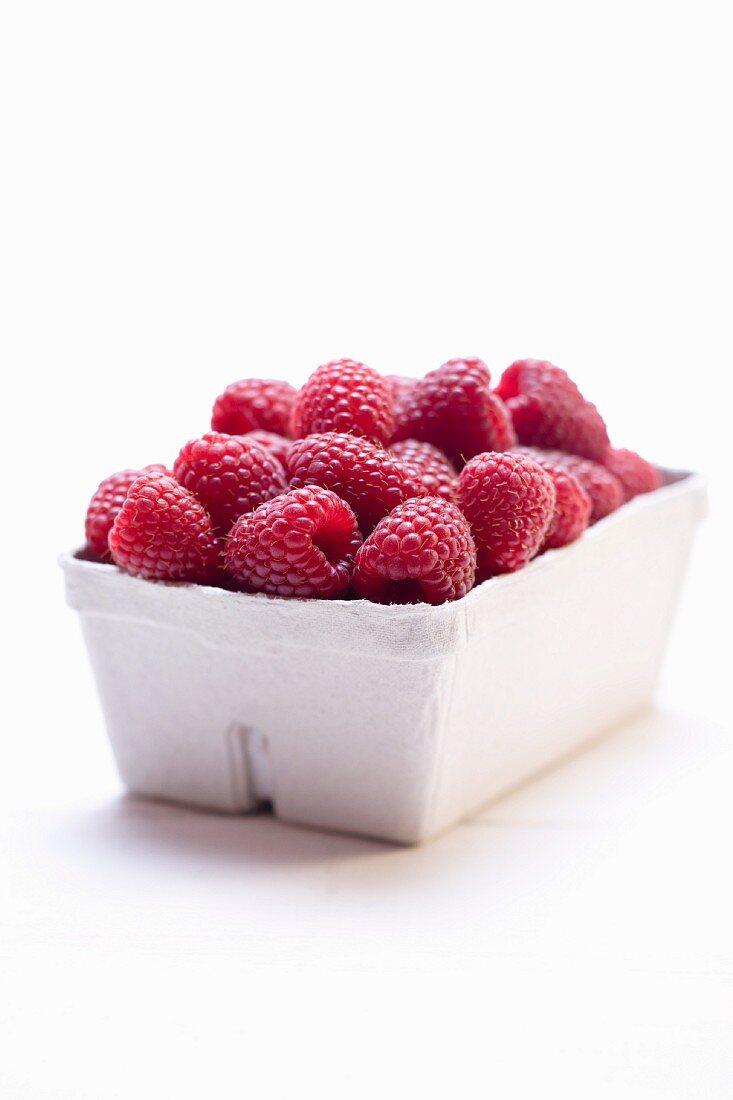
345	737
561	658
389	721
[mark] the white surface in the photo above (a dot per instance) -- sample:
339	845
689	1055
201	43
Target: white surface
575	937
388	722
194	192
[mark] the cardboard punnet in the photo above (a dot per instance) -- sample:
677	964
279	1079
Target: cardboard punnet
393	722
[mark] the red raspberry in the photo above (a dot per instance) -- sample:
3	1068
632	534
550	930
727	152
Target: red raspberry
634	472
509	501
229	475
422	552
106	503
276	445
299	544
603	488
399	387
430	465
573	509
367	476
453	408
254	403
163	533
344	396
548	409
573	506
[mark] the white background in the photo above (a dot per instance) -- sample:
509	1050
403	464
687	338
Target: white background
191	193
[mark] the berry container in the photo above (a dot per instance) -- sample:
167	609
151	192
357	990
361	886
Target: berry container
391	722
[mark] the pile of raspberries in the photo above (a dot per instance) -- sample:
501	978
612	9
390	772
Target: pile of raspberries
390	489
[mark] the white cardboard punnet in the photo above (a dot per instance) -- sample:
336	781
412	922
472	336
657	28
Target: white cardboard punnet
394	722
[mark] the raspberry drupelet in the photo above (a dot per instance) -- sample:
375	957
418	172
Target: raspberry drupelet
436	472
277	445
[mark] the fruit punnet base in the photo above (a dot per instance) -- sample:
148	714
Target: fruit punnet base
392	722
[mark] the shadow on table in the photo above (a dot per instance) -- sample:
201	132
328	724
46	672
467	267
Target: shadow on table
132	822
603	784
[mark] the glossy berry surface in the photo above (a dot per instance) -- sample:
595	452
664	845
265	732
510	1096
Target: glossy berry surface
106	503
163	533
453	408
371	479
277	445
634	472
509	500
604	489
548	410
528	465
431	466
344	396
422	552
254	403
573	506
229	475
302	543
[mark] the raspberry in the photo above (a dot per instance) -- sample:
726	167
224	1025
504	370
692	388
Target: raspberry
254	403
573	509
344	396
299	544
453	408
573	506
634	472
399	387
229	475
163	533
368	477
430	466
548	410
277	445
604	489
422	552
106	503
509	500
